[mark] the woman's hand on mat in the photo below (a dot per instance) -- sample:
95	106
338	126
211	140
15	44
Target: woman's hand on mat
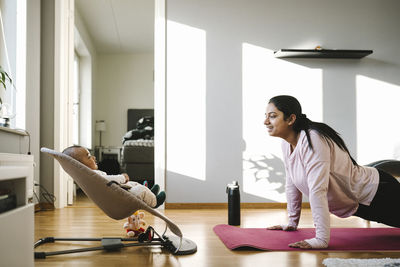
300	244
279	227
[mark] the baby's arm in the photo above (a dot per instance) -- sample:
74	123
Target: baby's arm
119	178
126	177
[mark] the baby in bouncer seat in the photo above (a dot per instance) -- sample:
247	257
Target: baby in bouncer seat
151	197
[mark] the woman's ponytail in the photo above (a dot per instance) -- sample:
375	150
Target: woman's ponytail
290	105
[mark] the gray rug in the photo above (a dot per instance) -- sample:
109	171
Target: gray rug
384	262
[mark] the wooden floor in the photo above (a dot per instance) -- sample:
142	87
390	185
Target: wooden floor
84	219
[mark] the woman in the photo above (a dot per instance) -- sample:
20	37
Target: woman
319	165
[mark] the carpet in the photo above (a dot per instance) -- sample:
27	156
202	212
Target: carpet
354	239
384	262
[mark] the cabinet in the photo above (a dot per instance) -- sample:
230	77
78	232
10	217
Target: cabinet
17	224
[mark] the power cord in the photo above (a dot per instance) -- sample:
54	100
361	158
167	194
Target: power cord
48	197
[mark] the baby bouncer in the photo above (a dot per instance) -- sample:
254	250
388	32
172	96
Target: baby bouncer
118	204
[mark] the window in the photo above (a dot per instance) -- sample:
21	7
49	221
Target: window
13	58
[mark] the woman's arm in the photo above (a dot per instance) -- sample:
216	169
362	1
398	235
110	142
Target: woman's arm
317	168
293	197
294	200
318	180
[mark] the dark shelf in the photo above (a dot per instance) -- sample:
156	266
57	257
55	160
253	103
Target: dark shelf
324	53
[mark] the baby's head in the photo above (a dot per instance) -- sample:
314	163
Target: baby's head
82	155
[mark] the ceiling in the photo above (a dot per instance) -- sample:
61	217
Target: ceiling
119	26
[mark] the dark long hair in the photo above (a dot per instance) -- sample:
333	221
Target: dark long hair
290	105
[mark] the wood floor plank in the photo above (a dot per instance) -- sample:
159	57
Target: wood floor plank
84	219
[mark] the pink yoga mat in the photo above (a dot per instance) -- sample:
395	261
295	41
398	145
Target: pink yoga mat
355	239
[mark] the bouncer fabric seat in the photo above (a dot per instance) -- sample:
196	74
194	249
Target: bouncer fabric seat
115	201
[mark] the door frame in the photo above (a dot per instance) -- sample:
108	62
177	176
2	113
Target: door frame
63	86
160	49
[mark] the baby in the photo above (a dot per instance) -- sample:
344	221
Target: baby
150	197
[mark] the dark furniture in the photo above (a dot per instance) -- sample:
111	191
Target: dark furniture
138	161
135	114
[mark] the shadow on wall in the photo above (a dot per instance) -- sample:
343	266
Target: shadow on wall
213	189
263	169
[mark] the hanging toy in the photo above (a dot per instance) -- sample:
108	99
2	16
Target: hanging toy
135	224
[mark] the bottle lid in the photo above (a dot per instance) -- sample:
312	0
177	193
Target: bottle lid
233	185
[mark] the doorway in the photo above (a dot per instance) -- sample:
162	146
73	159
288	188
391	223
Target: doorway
118	40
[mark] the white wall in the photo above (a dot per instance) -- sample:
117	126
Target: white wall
124	81
221	71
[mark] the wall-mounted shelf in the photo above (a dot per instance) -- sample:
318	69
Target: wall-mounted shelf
323	53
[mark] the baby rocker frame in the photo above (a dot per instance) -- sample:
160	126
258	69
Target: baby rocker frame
149	238
118	204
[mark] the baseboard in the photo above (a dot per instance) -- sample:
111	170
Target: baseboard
49	206
225	205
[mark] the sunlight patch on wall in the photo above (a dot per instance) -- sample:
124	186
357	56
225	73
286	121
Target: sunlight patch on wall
186	95
264	77
378	128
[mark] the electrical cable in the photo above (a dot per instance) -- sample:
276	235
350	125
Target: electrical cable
37	198
48	197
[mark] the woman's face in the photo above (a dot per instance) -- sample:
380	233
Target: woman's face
275	122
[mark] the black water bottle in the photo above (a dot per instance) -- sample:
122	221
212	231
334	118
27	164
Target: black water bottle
233	203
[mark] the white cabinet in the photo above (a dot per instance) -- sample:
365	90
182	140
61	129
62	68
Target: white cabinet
17	225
